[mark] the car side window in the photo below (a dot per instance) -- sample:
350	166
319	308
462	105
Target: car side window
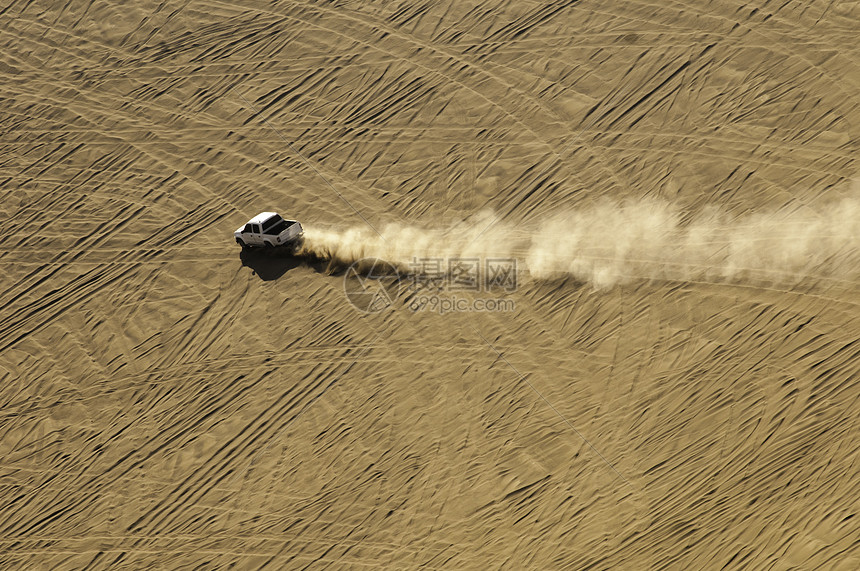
256	228
248	228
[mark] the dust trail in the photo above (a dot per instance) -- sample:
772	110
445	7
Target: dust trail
612	243
479	236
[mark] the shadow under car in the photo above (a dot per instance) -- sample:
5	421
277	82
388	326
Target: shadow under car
269	264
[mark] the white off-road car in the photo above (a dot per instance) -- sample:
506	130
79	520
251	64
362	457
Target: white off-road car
268	230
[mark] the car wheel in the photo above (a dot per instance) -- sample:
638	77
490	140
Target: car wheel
241	243
268	245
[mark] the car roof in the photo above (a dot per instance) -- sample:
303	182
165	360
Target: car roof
262	216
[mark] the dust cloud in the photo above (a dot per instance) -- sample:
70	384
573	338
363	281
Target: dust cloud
613	243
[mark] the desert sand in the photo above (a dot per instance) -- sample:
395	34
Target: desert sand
673	381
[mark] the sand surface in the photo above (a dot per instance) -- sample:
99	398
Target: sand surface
674	387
